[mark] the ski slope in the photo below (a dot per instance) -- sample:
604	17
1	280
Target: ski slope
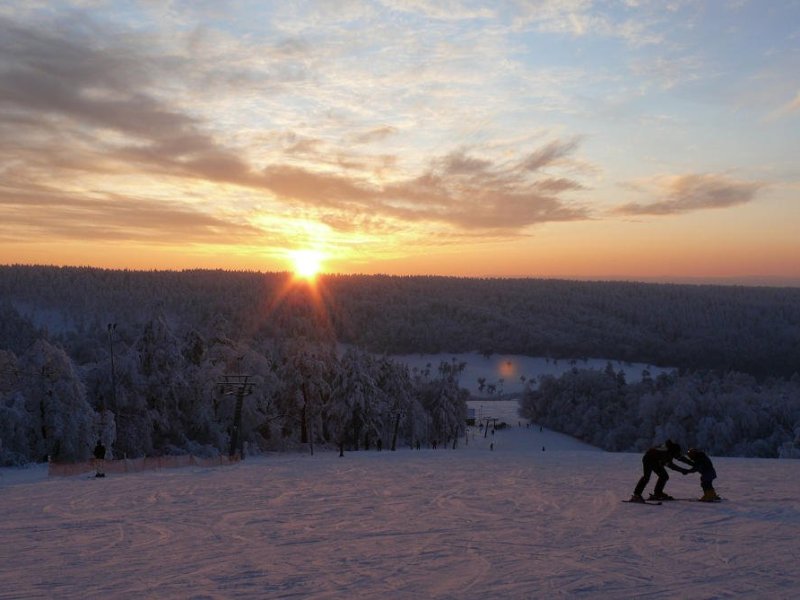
513	522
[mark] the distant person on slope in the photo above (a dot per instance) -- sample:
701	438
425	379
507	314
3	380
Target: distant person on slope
654	461
700	463
99	458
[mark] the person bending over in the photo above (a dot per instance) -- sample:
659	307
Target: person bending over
654	461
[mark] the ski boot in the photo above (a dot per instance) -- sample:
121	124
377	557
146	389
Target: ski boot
710	495
660	497
636	498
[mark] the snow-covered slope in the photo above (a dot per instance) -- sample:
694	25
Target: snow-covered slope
512	522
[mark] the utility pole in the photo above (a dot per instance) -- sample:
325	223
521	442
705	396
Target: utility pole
239	385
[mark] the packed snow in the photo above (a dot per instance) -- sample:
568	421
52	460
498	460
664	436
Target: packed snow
518	513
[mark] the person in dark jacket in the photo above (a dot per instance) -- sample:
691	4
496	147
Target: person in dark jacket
654	461
700	463
99	458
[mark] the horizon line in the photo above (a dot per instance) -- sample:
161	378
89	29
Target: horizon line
774	281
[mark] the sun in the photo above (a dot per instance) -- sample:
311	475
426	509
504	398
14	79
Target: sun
307	263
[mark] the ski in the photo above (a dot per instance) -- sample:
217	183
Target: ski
650	502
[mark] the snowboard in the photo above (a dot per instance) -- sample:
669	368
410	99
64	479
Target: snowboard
698	500
650	502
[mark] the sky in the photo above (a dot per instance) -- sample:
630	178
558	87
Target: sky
623	139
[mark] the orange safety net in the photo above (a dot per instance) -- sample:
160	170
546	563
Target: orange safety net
136	465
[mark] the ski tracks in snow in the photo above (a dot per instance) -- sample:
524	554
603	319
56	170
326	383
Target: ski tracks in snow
473	523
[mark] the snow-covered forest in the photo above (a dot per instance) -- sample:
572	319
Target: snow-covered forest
730	414
139	360
749	329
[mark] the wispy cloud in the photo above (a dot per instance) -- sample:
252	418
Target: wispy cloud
475	193
101	102
459	190
790	108
57	215
452	10
670	71
632	22
378	134
794	105
687	193
380	123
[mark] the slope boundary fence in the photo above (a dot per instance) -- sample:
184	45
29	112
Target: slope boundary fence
136	465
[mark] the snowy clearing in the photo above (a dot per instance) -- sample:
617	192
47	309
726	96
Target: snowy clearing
509	368
515	522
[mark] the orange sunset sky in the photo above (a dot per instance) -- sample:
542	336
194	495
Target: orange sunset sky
576	138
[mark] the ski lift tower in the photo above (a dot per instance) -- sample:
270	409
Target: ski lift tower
241	387
488	420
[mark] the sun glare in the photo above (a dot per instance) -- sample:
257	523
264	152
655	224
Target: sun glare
307	263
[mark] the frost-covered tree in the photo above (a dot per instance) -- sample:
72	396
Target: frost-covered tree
305	386
752	330
134	430
394	382
61	419
353	405
15	420
260	409
17	333
179	332
728	414
445	402
162	382
15	424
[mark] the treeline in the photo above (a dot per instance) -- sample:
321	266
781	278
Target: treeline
169	394
751	330
728	414
137	357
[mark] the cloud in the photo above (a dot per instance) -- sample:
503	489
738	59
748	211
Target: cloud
671	71
635	23
458	190
791	107
452	10
794	105
459	163
478	194
69	103
549	154
557	184
375	135
108	217
687	193
73	107
51	74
